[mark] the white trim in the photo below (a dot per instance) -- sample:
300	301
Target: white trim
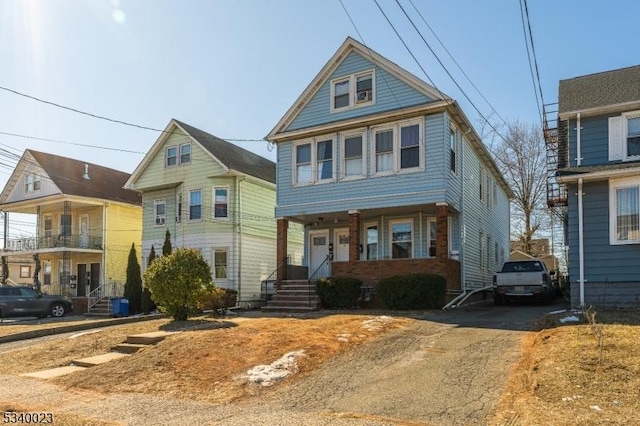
430	220
368	225
614	185
313	142
155	213
350	45
215	272
600	110
180	153
213	203
352	79
336	243
413	237
343	168
396	129
201	205
625	134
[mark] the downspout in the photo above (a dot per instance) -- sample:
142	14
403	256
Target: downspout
578	150
103	267
463	229
581	241
239	210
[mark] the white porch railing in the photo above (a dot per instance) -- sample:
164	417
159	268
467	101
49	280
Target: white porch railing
112	289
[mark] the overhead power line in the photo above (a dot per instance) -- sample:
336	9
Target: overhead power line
101	117
531	53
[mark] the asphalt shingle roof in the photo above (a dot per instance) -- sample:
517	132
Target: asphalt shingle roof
233	156
104	183
599	90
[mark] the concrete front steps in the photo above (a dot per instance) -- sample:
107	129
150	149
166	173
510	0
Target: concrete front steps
294	296
101	309
132	345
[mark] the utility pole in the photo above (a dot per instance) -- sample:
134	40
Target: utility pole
5	264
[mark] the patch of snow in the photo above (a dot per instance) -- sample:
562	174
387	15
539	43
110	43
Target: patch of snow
376	323
571	318
571	398
595	407
267	375
84	332
561	311
343	337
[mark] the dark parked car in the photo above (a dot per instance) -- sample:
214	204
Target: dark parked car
24	301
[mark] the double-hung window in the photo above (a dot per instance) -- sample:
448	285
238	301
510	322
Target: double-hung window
452	150
314	161
160	212
220	259
175	155
179	208
324	158
32	183
352	150
353	90
401	239
372	241
398	148
220	203
195	204
624	211
185	153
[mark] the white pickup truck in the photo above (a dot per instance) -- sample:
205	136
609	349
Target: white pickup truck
523	279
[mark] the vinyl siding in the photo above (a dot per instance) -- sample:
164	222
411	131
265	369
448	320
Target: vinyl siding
390	94
47	187
477	217
602	262
123	228
594	141
400	189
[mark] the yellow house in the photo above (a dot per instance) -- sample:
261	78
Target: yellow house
85	224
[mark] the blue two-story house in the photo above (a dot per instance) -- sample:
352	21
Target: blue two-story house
388	177
600	115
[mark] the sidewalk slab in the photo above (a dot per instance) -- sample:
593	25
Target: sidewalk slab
54	372
98	359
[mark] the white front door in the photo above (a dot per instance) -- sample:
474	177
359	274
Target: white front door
318	251
341	245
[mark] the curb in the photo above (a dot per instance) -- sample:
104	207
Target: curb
76	327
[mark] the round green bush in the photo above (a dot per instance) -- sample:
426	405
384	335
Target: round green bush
338	292
415	291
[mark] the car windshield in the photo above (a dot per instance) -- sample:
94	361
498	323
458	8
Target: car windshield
532	266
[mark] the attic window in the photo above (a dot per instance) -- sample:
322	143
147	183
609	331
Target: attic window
174	158
32	183
352	91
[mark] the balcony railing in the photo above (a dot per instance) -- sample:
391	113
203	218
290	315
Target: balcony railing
57	241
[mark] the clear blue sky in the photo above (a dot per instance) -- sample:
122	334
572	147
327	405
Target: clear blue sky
233	68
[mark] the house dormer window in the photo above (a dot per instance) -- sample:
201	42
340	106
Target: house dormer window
32	183
352	91
176	155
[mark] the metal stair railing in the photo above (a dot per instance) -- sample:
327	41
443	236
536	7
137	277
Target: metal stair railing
322	271
268	285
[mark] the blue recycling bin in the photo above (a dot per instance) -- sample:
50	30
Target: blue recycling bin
120	306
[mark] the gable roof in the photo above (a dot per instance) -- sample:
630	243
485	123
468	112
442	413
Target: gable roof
230	156
595	91
348	46
66	173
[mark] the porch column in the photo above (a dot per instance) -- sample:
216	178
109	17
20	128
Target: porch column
354	235
281	249
442	232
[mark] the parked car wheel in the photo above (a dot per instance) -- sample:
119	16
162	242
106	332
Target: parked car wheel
57	310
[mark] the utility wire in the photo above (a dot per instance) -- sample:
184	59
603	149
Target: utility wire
101	117
456	63
409	50
524	13
447	71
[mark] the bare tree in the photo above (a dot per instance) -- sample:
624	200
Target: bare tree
521	156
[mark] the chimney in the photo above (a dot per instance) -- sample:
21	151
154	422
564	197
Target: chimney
85	175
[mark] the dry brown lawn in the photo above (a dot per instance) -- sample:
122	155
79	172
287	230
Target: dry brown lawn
203	362
562	380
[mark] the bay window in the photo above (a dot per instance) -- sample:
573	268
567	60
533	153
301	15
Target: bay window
195	204
221	203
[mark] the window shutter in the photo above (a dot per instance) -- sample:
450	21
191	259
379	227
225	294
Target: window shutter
616	147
